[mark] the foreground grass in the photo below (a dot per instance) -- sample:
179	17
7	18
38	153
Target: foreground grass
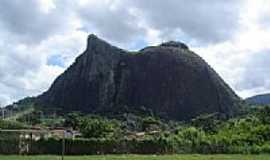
143	157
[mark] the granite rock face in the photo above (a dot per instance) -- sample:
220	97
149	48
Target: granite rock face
169	79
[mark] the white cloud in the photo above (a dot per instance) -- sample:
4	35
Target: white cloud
243	61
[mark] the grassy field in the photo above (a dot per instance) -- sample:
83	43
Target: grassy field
143	157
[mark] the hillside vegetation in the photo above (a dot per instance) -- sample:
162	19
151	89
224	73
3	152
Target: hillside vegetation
142	134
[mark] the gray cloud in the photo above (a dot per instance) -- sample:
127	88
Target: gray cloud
211	21
16	63
208	21
26	21
110	20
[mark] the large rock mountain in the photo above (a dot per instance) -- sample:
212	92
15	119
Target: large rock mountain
169	79
263	99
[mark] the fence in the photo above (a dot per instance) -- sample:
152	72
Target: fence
25	142
31	142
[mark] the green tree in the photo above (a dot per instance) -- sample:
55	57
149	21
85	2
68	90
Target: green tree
73	120
150	124
96	127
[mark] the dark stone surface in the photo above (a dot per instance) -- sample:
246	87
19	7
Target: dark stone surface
175	44
169	80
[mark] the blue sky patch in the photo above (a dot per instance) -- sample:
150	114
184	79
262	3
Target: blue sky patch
55	60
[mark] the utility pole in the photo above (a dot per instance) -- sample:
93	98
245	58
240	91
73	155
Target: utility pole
63	144
2	110
3	113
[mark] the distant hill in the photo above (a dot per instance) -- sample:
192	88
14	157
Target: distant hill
263	99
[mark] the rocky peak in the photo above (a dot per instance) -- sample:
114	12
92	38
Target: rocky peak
174	44
96	44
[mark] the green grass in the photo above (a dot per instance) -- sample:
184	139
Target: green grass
143	157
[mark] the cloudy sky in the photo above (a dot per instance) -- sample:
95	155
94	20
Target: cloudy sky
41	38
